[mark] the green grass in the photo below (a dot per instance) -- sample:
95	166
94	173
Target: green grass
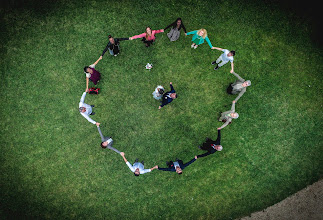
51	163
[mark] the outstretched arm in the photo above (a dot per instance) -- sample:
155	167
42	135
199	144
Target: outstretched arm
217	141
192	32
209	42
83	97
226	123
237	76
138	36
203	155
217	48
233	106
101	135
231	71
240	94
159	31
124	158
96	62
189	162
105	50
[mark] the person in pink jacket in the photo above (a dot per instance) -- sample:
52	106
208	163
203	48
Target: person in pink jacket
148	37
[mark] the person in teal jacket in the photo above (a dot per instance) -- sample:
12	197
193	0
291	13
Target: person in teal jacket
198	38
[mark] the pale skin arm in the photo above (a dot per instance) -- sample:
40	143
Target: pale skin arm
87	84
155	167
124	158
96	62
231	71
217	48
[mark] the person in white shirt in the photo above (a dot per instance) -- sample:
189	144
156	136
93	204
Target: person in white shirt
137	168
86	109
158	93
224	58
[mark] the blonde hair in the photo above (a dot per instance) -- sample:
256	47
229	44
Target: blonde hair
205	32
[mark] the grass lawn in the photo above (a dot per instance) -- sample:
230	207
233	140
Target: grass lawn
52	166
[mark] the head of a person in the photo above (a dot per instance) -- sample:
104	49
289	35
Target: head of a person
161	91
246	83
202	32
173	95
104	144
231	53
87	69
178	21
82	109
178	170
218	147
111	39
148	31
137	172
235	115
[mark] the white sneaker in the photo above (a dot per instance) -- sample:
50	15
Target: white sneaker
192	46
195	46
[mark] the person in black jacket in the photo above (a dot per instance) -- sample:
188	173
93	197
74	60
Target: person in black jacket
113	46
178	166
211	146
174	33
168	97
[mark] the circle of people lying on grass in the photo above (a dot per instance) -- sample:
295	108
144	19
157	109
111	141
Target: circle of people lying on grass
165	98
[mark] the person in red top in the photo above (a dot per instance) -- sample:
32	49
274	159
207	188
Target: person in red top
148	37
92	74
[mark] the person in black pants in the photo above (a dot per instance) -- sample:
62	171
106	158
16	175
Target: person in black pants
178	166
168	97
211	146
113	46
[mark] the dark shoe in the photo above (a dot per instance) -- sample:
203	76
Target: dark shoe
214	62
93	113
142	162
136	160
217	67
92	106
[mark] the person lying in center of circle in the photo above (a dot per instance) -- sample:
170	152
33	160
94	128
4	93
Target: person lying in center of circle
148	37
158	93
168	97
198	38
178	166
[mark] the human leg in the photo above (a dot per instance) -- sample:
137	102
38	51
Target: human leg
111	52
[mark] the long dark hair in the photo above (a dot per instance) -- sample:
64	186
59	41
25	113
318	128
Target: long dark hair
175	23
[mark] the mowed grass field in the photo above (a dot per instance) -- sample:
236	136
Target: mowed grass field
52	166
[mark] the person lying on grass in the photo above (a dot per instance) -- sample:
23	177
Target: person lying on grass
137	168
178	166
106	141
92	74
227	116
168	97
198	38
113	46
239	86
86	109
224	58
211	146
148	37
